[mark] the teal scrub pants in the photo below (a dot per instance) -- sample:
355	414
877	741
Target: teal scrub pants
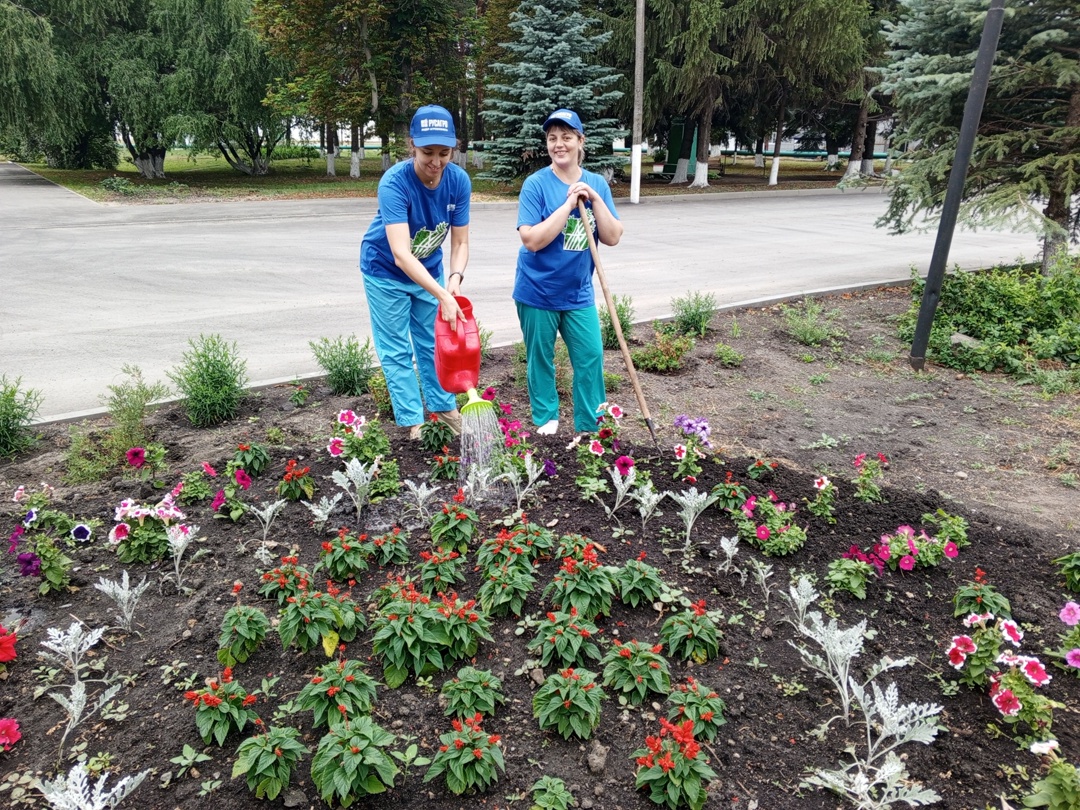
580	330
403	326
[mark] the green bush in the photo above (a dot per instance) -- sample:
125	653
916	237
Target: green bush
17	410
376	386
86	459
727	356
127	404
347	364
693	313
666	353
119	185
295	152
624	310
211	378
810	324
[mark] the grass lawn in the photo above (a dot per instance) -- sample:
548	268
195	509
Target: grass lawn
206	177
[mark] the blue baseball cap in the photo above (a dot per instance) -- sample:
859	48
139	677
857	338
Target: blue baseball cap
433	126
567	118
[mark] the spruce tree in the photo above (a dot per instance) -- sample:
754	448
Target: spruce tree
552	66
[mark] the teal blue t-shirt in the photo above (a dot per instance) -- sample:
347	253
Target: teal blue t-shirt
559	276
430	213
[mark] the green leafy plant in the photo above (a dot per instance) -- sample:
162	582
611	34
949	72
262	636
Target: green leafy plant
691	634
128	403
583	584
904	549
195	487
440	570
141	533
569	703
673	768
695	701
17	411
472	692
353	760
289	579
221	707
666	353
638	583
464	624
809	323
297	482
850	575
250	457
391	548
824	503
948	528
445	467
211	378
380	395
267	760
1059	789
337	683
551	793
54	566
345	555
505	589
727	357
243	629
693	313
869	473
348	364
769	525
436	434
633	669
563	638
1069	566
761	468
310	619
469	757
409	635
624	311
455	525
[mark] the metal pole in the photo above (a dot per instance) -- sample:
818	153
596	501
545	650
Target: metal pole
980	79
639	94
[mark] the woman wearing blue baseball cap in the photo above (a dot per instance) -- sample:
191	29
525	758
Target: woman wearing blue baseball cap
553	286
420	201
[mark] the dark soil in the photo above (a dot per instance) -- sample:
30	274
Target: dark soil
932	426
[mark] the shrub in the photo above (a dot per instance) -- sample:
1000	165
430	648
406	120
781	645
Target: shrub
211	378
85	459
353	761
472	692
569	702
727	356
127	403
119	185
563	372
624	311
809	323
380	394
666	353
267	760
347	364
693	313
17	409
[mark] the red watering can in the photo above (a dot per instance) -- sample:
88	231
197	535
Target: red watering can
457	353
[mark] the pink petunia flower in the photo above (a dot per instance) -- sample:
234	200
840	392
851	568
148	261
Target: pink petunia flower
680	451
1070	614
624	464
206	468
119	532
763	533
960	649
1011	632
615	412
336	446
243	480
136	457
907	562
9	732
489	394
218	501
20	493
346	417
951	551
883	551
821	483
1007	703
596	448
1035	672
978	618
506	408
1072	658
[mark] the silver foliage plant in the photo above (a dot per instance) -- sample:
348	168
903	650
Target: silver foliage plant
267	515
356	481
321	511
624	487
69	647
75	704
418	507
74	792
526	485
691	504
125	597
647	499
180	539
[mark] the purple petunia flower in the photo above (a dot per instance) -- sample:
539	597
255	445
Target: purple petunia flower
81	533
1072	658
13	540
549	468
29	564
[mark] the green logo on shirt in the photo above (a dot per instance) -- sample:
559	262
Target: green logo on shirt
427	242
574	235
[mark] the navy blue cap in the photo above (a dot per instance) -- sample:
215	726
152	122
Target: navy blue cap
567	118
433	126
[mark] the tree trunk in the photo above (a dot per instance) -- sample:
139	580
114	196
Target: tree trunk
356	150
869	143
1059	204
832	152
704	132
385	152
331	150
150	161
774	171
858	138
759	153
683	163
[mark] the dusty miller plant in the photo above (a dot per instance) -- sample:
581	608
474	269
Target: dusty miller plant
691	504
840	647
75	704
321	511
624	487
879	779
730	547
74	792
762	571
267	515
180	538
524	486
125	597
356	480
418	506
647	499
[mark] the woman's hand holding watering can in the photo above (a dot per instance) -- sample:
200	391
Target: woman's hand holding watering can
449	310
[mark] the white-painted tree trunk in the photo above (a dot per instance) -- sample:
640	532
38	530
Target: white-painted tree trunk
701	175
831	163
759	160
354	163
151	167
385	161
478	159
774	171
460	158
680	171
867	167
608	174
331	169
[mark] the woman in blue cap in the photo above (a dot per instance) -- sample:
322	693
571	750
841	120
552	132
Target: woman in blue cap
553	286
420	201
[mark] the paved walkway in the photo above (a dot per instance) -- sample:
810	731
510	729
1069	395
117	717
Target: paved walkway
86	288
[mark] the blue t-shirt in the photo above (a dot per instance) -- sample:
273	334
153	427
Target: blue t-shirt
559	276
430	213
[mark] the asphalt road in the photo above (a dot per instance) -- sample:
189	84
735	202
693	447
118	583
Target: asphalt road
87	288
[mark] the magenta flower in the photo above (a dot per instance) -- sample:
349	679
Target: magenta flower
1011	632
596	448
218	501
821	483
9	732
506	407
858	460
951	551
13	540
346	417
624	464
1007	703
1035	672
977	618
136	457
763	533
489	394
206	468
29	564
883	551
680	451
907	562
336	446
1070	614
1072	658
960	649
615	412
119	532
243	480
914	549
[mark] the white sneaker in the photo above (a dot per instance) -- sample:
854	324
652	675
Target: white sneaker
549	429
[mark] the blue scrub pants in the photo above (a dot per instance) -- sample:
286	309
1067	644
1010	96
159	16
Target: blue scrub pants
580	330
403	327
